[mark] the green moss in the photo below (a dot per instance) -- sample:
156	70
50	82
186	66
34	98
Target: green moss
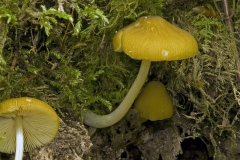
66	57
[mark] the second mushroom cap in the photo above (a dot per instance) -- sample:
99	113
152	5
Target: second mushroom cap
154	103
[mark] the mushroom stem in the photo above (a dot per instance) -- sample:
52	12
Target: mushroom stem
101	121
19	138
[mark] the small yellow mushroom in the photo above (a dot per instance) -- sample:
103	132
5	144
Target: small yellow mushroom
154	103
203	10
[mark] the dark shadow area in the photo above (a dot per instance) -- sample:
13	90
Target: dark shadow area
194	149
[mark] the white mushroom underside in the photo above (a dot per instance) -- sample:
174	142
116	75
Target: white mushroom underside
38	127
7	126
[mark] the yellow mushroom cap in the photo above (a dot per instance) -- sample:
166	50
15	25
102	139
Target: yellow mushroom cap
40	123
153	38
154	103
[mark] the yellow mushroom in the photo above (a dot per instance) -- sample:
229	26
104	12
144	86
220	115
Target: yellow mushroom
154	103
26	123
150	38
